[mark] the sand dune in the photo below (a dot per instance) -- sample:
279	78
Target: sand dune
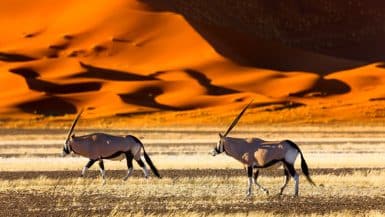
133	57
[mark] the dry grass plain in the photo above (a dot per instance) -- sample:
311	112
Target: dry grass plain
346	163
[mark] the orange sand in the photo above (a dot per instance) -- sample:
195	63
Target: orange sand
124	58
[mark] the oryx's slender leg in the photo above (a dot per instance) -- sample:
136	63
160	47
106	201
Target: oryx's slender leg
287	177
143	166
250	180
294	174
256	173
102	171
129	158
87	166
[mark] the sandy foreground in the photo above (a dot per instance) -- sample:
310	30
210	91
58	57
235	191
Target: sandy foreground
346	163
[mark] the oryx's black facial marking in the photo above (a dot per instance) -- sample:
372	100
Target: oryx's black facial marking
220	147
65	150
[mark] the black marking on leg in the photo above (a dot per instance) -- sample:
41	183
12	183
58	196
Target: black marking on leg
101	164
250	171
290	168
293	173
90	163
256	175
140	162
287	178
129	158
286	173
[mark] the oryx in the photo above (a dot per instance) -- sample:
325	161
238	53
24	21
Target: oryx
257	153
99	146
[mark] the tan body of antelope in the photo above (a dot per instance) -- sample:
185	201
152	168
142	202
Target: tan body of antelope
256	153
100	146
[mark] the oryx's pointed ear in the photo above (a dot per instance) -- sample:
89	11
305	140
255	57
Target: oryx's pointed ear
73	136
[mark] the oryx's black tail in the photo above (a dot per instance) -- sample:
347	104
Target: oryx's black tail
149	162
304	167
147	158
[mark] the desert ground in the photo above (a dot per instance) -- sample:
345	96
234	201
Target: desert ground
346	164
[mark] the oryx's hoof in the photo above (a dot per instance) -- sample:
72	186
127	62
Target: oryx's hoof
266	192
248	194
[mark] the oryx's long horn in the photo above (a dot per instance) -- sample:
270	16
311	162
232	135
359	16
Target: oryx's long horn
235	121
73	124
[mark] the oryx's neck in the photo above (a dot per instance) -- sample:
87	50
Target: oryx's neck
72	146
228	145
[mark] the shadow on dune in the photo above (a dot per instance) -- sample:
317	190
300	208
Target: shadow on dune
132	114
381	65
206	82
325	87
11	57
146	97
110	74
277	106
278	34
34	83
49	106
203	80
253	52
